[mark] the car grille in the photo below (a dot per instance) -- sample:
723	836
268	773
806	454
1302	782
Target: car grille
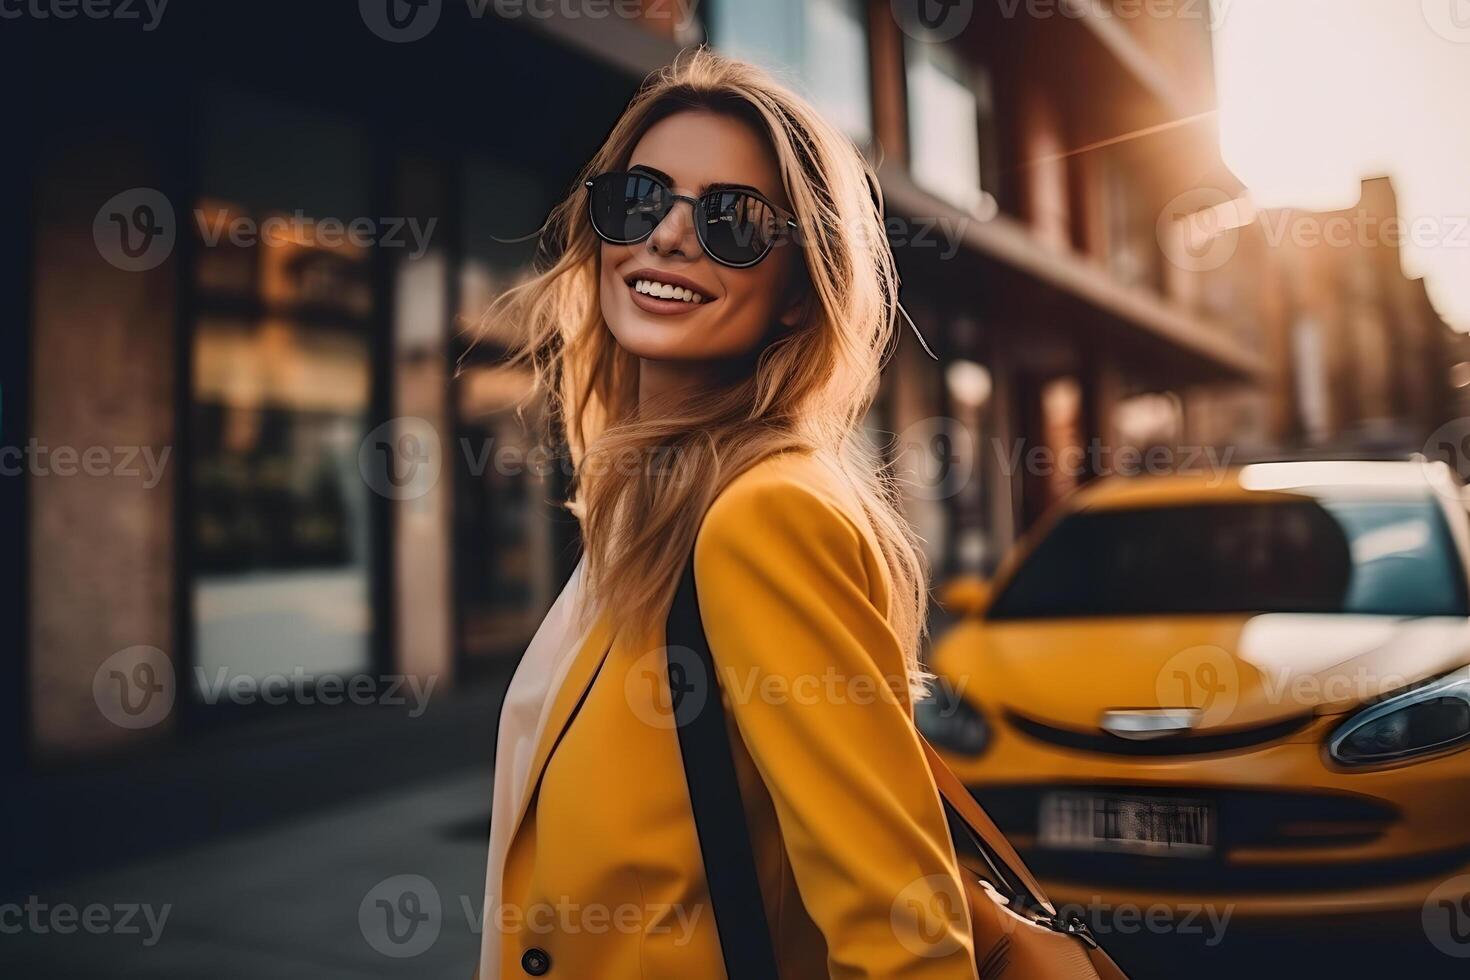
1247	819
1216	878
1110	744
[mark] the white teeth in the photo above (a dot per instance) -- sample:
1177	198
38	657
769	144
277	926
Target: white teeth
663	290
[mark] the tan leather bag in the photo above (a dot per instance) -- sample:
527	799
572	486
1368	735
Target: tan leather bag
1017	931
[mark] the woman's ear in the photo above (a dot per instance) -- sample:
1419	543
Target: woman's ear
798	310
799	300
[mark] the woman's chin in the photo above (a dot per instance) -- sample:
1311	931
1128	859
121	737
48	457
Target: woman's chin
659	341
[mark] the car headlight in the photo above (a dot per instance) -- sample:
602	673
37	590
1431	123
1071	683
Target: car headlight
1426	719
949	721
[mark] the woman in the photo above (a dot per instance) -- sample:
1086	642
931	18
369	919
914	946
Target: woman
711	331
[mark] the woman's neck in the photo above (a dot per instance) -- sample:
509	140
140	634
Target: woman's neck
667	380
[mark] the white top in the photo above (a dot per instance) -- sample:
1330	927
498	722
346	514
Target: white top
532	690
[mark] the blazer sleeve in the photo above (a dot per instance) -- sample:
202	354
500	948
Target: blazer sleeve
814	678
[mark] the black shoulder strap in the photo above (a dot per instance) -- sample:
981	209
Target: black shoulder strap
714	791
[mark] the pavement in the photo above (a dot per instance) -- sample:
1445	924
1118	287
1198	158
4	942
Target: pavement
392	887
353	846
297	900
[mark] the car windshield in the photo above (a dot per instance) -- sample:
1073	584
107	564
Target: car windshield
1387	557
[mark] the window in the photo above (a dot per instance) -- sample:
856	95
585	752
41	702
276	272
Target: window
945	102
820	46
281	533
1364	556
505	520
1309	370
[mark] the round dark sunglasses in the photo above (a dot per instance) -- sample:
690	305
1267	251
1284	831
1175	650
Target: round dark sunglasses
735	226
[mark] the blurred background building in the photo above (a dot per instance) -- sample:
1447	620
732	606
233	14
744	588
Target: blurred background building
1071	244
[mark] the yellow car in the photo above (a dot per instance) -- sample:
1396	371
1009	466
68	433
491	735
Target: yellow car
1248	689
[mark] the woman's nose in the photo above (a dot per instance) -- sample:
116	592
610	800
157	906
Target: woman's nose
675	235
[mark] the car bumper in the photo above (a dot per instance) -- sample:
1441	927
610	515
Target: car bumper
1296	836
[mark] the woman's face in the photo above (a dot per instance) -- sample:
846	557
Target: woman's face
738	307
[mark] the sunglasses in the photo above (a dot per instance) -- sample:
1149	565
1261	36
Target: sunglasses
736	226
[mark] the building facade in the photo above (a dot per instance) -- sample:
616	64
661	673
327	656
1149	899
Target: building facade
1364	358
1076	323
256	269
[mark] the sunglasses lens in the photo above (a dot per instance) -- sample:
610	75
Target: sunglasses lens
738	228
626	207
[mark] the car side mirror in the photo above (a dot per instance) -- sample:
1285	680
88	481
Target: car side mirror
966	595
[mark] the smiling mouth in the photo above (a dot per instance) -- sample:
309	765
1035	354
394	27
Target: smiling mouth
654	289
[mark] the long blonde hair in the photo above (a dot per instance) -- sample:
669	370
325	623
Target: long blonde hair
809	387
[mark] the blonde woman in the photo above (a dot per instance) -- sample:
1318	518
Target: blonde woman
710	331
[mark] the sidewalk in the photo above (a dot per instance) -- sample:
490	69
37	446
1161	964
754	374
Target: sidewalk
283	903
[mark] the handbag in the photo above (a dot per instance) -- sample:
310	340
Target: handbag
1017	931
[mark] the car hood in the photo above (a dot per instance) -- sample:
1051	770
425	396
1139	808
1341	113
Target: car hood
1236	671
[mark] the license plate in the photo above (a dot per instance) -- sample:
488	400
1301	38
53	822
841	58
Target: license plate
1143	825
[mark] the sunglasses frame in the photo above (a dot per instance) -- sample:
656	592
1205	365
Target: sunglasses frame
697	204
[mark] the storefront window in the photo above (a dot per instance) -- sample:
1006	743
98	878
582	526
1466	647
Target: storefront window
281	396
512	539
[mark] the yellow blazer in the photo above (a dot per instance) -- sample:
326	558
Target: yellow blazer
603	877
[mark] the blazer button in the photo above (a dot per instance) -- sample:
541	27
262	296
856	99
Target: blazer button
536	961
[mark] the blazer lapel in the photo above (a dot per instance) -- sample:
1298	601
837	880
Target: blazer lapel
587	660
